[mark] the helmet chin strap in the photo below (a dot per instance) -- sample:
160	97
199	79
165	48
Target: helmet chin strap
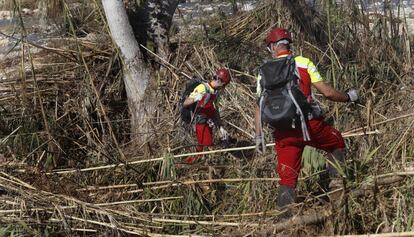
269	49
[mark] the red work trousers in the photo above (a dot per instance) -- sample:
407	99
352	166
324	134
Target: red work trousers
204	135
290	144
204	138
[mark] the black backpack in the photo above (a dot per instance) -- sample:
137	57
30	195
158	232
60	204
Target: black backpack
186	113
282	104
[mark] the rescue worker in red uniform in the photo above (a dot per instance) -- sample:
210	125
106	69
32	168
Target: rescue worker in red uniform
206	114
290	143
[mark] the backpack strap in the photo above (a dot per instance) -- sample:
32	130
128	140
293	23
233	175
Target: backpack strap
195	117
305	131
293	82
292	67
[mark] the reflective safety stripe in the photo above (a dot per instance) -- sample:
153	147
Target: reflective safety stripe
258	87
302	62
201	89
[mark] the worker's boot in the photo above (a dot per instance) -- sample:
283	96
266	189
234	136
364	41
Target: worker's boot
323	187
337	157
323	182
336	184
285	196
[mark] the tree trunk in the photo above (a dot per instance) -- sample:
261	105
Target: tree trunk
160	15
136	73
49	12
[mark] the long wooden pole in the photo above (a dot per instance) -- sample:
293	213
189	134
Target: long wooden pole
177	183
379	123
178	156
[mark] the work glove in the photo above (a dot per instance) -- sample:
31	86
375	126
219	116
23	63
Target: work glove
259	144
353	95
224	135
198	97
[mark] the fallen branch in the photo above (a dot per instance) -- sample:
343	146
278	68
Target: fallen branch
177	156
138	201
178	183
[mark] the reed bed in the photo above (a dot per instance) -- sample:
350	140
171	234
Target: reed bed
70	167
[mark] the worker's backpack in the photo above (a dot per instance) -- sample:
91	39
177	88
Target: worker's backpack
282	104
187	113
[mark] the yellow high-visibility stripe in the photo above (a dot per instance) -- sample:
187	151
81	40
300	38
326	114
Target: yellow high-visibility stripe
201	89
303	62
258	87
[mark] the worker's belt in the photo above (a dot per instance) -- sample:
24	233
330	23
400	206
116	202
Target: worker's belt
316	111
204	119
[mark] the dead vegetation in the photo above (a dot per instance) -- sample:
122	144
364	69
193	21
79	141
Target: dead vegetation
64	121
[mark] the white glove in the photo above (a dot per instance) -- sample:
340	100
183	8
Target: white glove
224	135
353	95
198	97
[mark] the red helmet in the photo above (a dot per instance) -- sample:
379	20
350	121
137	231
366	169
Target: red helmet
277	34
224	75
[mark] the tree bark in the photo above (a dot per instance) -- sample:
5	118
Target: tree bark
160	13
136	74
50	12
